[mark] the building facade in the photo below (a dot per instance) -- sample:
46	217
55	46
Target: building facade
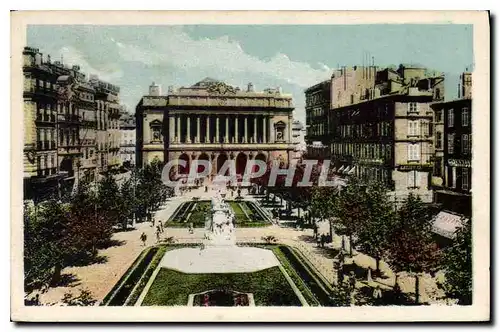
454	174
108	135
383	128
128	138
216	122
40	161
298	140
61	127
318	126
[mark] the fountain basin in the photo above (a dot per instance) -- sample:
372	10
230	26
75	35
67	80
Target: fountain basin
224	259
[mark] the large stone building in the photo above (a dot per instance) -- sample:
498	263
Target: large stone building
382	126
298	140
108	112
41	168
62	126
318	100
127	143
453	166
214	121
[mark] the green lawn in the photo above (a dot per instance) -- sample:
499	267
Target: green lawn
195	212
190	212
269	287
253	219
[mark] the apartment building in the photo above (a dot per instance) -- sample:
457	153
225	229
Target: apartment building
453	169
317	120
383	126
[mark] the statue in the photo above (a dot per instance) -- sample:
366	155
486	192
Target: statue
219	224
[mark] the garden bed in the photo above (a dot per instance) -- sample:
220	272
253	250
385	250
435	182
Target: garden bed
118	296
269	287
190	212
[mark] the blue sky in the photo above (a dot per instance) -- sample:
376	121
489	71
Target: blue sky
293	57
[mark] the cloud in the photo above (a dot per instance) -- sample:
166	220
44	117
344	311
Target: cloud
176	48
108	72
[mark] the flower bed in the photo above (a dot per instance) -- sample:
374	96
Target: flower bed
132	299
137	270
307	275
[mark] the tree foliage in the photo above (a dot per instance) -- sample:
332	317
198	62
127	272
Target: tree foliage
374	232
457	263
412	247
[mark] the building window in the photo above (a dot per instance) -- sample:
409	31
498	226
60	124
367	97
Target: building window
439	138
465	178
412	107
466	143
413	152
413	128
439	116
451	143
451	118
413	179
465	117
438	166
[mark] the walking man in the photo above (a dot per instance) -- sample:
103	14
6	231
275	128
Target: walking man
143	238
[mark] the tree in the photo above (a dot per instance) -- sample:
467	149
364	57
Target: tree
374	233
412	248
341	295
88	227
85	298
108	200
351	210
457	263
127	201
45	229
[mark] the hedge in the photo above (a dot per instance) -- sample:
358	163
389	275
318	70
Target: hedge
126	287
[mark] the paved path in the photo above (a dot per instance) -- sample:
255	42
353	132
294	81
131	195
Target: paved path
100	278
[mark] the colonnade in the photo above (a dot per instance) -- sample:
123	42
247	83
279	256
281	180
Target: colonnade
223	128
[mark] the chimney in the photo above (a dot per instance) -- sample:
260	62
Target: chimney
250	87
154	90
466	81
280	90
170	89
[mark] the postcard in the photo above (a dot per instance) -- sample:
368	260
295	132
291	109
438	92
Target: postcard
250	166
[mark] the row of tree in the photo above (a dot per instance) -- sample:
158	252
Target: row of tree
400	235
69	232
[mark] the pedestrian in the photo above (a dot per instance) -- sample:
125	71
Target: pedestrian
143	238
157	236
153	221
161	225
377	295
158	229
322	240
318	241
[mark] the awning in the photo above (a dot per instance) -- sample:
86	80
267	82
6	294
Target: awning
346	170
459	163
446	223
351	171
341	169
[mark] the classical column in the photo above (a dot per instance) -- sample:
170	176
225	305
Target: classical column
255	129
216	129
289	129
188	123
207	134
197	139
171	120
236	138
178	128
264	129
245	136
226	136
